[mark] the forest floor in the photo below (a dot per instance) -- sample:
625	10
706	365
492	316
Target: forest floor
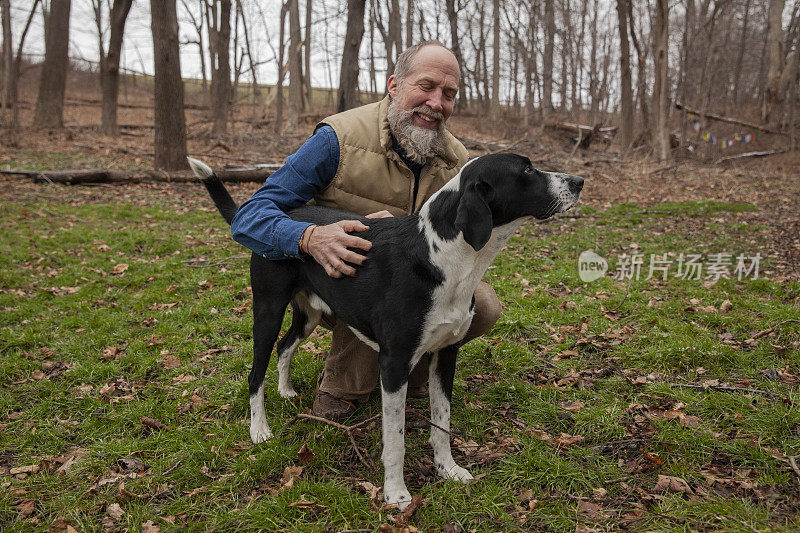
662	401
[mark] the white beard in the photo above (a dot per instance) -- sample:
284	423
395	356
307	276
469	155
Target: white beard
419	143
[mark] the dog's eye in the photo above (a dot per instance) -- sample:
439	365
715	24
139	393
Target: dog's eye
530	170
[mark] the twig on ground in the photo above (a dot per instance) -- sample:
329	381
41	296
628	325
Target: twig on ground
172	468
627	290
793	464
724	388
347	429
203	263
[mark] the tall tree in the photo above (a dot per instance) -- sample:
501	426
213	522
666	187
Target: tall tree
660	105
170	122
495	102
7	54
295	68
53	80
199	27
547	61
307	57
455	46
347	97
11	80
775	61
109	60
281	69
626	96
218	21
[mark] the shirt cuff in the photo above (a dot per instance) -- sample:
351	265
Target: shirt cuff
289	238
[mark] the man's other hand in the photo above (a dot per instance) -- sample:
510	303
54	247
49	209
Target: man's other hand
380	214
328	245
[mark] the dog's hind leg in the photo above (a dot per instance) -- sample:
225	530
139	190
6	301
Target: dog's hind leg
268	309
440	384
394	383
304	319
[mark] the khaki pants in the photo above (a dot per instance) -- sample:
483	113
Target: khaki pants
351	368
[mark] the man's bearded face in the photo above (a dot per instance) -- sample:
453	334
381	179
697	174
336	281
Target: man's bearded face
419	142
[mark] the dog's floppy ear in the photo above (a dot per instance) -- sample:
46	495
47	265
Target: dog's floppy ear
473	216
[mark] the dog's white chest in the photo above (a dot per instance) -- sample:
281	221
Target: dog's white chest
450	315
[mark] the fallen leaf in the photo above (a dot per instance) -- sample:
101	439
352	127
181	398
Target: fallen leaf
26	507
725	306
371	490
169	360
572	406
593	510
119	268
30	469
290	473
115	511
150	527
305	455
672	484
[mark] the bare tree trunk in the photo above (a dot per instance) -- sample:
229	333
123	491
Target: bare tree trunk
775	46
740	58
410	23
626	98
281	70
170	123
348	81
661	82
109	67
53	80
12	81
495	102
197	23
455	46
373	83
307	58
7	57
530	64
547	62
250	60
295	68
641	72
218	21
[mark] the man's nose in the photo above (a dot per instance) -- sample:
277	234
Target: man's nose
435	100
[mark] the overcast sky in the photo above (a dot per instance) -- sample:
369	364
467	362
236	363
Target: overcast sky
329	25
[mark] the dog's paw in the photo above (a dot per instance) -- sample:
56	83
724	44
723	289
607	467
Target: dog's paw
456	473
398	496
287	392
260	433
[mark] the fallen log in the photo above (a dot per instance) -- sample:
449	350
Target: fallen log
749	154
99	175
728	120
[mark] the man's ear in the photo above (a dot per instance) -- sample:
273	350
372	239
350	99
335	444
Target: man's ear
473	215
391	86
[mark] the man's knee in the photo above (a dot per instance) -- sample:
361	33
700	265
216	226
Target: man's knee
487	311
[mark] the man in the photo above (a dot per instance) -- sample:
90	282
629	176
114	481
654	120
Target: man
381	159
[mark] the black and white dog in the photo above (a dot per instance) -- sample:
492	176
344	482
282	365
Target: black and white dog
413	295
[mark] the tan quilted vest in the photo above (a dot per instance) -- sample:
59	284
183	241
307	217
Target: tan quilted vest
371	176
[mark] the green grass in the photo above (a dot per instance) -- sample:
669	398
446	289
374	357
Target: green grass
613	364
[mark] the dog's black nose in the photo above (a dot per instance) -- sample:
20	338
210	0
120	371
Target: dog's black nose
575	183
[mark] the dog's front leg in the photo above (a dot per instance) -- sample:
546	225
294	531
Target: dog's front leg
440	385
394	382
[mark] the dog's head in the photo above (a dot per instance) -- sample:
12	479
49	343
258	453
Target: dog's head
499	188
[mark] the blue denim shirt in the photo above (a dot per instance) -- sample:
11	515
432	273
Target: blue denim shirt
261	223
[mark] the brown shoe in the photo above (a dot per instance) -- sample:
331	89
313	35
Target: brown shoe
419	391
332	408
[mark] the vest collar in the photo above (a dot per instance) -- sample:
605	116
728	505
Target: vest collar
447	160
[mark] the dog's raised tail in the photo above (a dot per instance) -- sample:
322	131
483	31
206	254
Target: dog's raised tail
222	199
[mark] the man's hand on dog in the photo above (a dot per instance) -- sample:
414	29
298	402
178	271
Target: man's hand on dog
328	245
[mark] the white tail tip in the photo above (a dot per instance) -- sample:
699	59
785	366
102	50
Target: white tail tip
200	169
